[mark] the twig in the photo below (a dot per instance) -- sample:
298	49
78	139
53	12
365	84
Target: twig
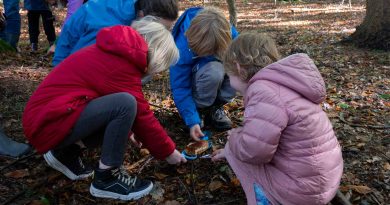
185	188
193	183
17	161
143	166
158	106
342	119
86	198
137	163
37	185
220	134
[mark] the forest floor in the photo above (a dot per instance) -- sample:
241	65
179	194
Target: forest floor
358	105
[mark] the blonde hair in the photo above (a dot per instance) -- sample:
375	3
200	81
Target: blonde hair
162	50
209	33
252	51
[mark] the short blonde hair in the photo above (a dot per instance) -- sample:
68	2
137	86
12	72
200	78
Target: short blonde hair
209	33
162	50
252	51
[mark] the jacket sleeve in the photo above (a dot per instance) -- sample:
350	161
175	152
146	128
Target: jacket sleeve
264	120
70	34
181	85
146	127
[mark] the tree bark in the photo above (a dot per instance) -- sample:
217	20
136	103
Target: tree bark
232	11
374	32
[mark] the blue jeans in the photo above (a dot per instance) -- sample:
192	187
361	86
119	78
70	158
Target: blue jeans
11	32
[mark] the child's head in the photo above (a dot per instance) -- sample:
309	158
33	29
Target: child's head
248	54
166	10
162	50
209	33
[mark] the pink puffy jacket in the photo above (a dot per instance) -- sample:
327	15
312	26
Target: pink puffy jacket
287	144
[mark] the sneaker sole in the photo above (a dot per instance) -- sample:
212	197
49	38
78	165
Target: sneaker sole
57	165
107	194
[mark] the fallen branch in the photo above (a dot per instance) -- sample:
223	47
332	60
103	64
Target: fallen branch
185	188
158	106
17	161
193	183
342	119
138	163
143	166
35	187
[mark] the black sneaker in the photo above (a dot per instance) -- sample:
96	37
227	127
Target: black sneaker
68	162
115	183
218	119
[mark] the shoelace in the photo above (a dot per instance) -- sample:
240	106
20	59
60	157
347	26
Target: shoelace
81	163
124	176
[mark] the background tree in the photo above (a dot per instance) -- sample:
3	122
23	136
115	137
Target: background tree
374	32
232	11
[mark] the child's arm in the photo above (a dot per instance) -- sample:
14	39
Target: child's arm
146	127
181	85
264	121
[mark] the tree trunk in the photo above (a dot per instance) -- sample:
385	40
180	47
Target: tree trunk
232	11
374	32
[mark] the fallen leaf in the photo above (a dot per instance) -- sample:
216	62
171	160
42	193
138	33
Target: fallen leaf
215	185
144	152
173	202
235	182
160	176
157	192
386	166
359	189
17	174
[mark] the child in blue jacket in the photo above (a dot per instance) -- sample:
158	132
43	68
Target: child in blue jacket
36	9
81	28
198	80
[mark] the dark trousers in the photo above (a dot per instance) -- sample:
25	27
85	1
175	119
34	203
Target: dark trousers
48	25
107	121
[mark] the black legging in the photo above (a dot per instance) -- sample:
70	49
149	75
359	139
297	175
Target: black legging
106	121
48	25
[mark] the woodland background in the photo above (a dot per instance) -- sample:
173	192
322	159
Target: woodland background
358	104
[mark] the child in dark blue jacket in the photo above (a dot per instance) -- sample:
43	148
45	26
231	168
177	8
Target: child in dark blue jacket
36	9
198	80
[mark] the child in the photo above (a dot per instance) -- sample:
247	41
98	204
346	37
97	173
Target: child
81	28
36	9
286	148
72	7
198	81
11	32
95	95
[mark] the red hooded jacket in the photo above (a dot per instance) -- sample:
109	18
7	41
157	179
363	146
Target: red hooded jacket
114	64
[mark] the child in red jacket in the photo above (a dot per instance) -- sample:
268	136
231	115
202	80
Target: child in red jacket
95	95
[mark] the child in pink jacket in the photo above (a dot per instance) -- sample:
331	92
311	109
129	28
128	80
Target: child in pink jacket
286	150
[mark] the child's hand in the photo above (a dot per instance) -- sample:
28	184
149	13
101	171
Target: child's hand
218	155
196	132
176	158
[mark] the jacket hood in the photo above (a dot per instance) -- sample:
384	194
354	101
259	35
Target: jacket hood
125	42
298	73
